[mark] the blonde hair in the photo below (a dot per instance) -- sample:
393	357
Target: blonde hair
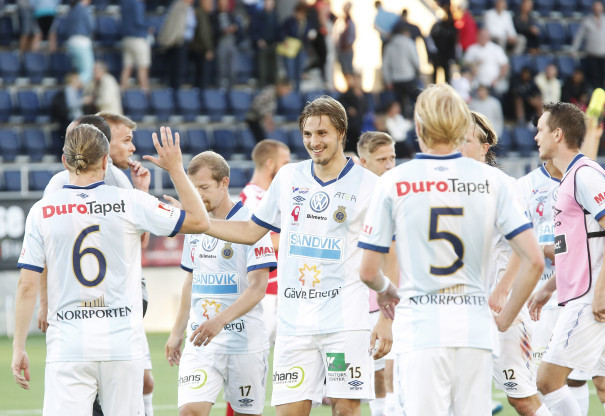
371	140
117	119
442	116
85	146
215	162
487	135
266	149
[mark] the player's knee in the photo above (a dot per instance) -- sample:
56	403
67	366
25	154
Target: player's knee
599	383
545	384
148	382
344	407
187	410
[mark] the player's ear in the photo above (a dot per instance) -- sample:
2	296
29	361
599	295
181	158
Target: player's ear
64	161
224	182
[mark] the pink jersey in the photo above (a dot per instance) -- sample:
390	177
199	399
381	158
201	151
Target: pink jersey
579	239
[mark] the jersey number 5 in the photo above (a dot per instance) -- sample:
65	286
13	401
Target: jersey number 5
78	254
453	239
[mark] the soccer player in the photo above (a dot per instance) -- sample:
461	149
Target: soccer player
443	209
88	236
514	370
220	307
119	131
376	152
578	337
323	321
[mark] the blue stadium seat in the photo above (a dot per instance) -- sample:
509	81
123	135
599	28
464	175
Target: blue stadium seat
135	104
585	6
544	7
573	28
166	181
189	103
240	102
225	142
246	141
47	99
35	143
198	140
9	66
38	179
290	105
556	34
113	60
100	5
524	139
244	69
280	134
566	7
7	31
6	106
12	180
505	143
477	7
295	142
108	30
60	65
10	145
566	65
162	103
238	178
142	140
29	104
215	103
541	61
35	66
518	62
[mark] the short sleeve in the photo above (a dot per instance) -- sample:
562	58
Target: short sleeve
379	228
267	214
32	253
261	255
150	214
187	256
511	217
590	191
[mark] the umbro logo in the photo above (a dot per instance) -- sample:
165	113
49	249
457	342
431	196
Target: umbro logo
355	383
510	384
441	168
298	198
82	195
245	401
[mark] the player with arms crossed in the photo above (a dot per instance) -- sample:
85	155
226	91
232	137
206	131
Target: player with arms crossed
443	209
88	235
323	330
220	307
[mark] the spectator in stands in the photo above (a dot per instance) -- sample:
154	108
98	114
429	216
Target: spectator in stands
576	89
489	63
136	50
462	82
29	39
80	26
526	96
104	91
401	68
528	31
320	17
74	97
264	31
175	35
44	13
202	44
403	22
445	38
499	23
296	27
226	29
466	25
549	84
346	38
398	127
355	104
592	33
490	107
384	22
263	108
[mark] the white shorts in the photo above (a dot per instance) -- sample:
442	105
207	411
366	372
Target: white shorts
269	303
439	381
542	332
378	363
70	387
578	341
302	364
244	376
514	369
136	52
147	357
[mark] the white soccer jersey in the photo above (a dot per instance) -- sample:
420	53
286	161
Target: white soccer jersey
318	269
539	191
89	238
443	210
220	275
251	195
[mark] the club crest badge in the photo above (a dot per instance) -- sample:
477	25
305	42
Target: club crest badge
340	215
227	251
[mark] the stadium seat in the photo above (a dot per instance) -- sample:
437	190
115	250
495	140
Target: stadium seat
215	103
162	103
9	66
518	62
10	145
6	106
541	61
7	31
585	6
244	69
477	7
290	105
198	140
47	99
280	134
505	143
35	143
385	98
35	66
189	103
240	102
38	179
113	60
135	104
166	181
225	142
100	5
108	31
566	65
246	141
295	142
60	65
238	178
556	34
544	7
524	138
29	105
573	28
566	7
12	180
143	142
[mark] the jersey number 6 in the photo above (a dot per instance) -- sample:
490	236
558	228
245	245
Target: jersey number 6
453	239
78	254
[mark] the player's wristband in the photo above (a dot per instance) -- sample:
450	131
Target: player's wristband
385	284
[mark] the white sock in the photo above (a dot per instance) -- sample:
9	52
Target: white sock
543	411
391	405
377	406
581	396
561	403
148	404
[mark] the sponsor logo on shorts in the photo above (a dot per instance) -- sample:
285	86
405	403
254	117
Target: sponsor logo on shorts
319	201
355	383
560	244
91	207
245	402
510	385
292	377
195	380
453	185
215	283
316	246
336	361
448	299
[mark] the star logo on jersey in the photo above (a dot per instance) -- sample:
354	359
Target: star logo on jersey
82	195
309	275
211	308
340	215
336	361
227	251
320	201
209	243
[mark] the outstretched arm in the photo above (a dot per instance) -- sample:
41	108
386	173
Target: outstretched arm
241	232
